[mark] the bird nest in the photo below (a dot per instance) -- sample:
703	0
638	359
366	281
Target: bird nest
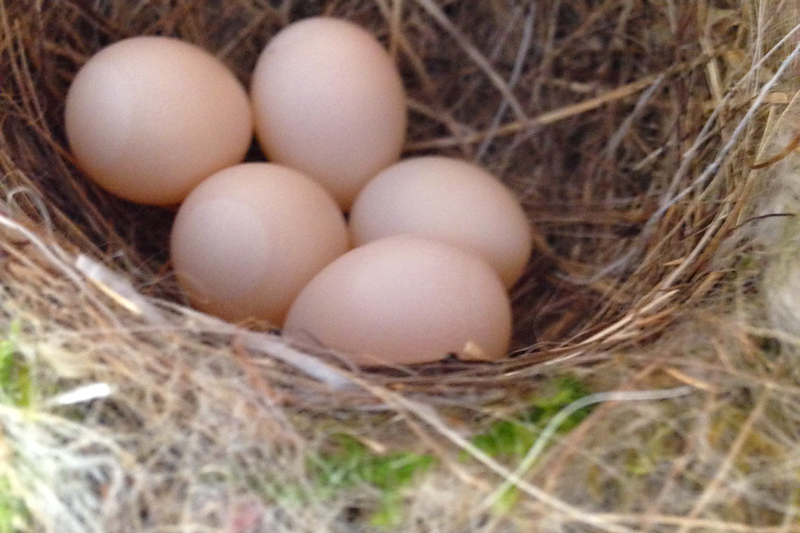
651	145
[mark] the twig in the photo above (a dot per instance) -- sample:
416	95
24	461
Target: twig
698	523
550	117
712	487
791	147
51	253
434	11
516	72
672	196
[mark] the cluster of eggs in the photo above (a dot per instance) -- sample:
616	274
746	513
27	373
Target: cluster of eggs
420	269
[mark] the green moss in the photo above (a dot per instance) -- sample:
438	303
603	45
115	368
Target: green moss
512	438
344	466
16	389
13	514
663	445
16	386
349	463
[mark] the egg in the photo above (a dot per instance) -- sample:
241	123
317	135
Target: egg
405	300
247	239
447	199
328	101
148	118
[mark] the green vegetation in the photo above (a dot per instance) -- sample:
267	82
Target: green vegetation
16	389
662	446
15	379
350	463
12	510
346	462
511	439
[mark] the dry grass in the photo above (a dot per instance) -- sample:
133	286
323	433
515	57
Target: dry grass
653	146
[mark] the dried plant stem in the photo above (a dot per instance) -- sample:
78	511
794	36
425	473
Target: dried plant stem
554	423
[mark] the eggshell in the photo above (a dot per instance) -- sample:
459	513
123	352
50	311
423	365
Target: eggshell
405	300
248	238
329	101
147	118
449	200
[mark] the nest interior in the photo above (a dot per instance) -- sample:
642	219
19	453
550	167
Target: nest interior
624	128
586	111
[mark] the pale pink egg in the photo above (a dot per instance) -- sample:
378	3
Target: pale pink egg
450	200
148	118
249	238
329	101
405	300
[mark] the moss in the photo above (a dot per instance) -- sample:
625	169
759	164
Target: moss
349	463
15	377
511	439
16	390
